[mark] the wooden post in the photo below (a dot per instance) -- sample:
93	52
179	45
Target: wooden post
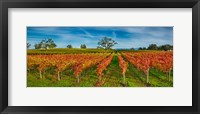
40	74
124	79
61	75
58	76
169	75
148	76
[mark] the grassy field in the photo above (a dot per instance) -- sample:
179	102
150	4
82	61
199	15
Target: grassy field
75	51
88	78
67	51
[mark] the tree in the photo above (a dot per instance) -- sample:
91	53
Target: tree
28	45
69	46
165	47
132	48
152	47
46	44
50	43
106	43
142	48
43	44
83	46
37	46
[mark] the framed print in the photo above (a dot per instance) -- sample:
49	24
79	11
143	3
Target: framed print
87	56
108	55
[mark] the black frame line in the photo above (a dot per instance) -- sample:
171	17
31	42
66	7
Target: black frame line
6	4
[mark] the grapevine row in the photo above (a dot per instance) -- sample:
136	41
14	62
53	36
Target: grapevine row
143	61
123	65
78	62
102	66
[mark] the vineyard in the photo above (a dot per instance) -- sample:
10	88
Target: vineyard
104	69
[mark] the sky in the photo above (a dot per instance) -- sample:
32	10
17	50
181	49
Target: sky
126	37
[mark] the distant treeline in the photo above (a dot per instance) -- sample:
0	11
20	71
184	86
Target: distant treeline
155	47
104	43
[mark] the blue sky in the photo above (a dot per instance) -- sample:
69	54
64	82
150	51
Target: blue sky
126	37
